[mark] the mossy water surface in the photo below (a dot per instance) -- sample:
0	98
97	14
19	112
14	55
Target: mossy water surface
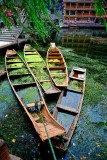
90	137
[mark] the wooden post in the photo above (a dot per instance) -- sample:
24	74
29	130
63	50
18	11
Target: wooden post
4	153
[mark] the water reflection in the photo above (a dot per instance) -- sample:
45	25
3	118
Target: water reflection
84	41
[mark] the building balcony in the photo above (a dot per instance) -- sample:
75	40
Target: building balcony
80	16
78	1
77	9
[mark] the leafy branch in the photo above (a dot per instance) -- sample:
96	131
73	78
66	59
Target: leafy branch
37	17
100	10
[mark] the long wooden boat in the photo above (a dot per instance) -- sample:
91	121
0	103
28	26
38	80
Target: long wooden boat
57	66
69	105
30	97
38	67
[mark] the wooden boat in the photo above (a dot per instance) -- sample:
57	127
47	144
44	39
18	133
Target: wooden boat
30	97
57	66
2	73
38	67
69	105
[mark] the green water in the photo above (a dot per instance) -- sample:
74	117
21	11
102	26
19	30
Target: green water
90	137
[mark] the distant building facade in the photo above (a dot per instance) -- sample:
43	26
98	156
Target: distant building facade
79	11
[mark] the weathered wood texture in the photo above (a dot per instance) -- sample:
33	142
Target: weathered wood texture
36	110
4	153
57	65
72	106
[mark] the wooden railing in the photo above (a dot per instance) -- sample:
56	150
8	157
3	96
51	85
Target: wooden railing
22	16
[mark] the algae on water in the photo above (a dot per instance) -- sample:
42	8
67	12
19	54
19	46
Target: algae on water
18	71
23	79
46	85
15	65
76	85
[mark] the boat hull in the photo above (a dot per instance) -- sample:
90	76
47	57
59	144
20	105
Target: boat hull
68	107
28	93
57	67
39	69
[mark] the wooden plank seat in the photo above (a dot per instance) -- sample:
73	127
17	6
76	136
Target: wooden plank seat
30	51
53	54
50	57
57	138
57	68
72	90
25	74
79	69
31	54
47	80
35	105
34	114
58	73
69	109
30	105
56	62
53	51
79	78
12	57
24	84
14	68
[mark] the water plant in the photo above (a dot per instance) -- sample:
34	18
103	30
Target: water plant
24	79
15	65
76	85
14	60
18	71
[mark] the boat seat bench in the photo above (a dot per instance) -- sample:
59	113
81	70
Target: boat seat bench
72	90
80	79
53	54
24	84
69	109
45	81
34	114
58	73
53	51
31	105
59	58
57	68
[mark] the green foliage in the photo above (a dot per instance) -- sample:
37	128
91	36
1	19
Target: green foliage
99	8
24	79
15	65
19	71
76	85
37	16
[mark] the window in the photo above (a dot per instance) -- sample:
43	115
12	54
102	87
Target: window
80	4
67	4
80	12
73	4
67	12
72	13
87	4
86	12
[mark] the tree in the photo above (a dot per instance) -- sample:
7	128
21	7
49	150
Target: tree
37	16
100	10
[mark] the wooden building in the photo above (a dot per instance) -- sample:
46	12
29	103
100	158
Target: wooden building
79	11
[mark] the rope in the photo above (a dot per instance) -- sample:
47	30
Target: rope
50	143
